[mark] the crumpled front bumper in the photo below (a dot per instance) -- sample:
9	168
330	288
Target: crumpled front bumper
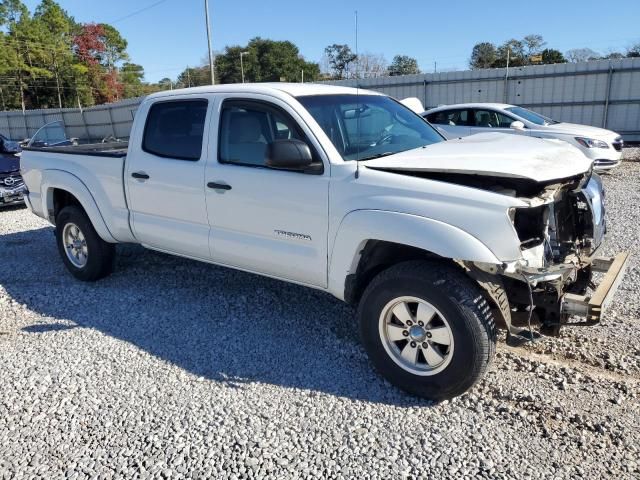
593	307
12	196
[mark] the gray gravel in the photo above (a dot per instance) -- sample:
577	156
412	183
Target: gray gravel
171	368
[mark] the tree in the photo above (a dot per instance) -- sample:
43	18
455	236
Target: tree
582	55
340	58
47	59
371	65
512	50
550	55
131	77
633	51
483	55
403	65
265	61
194	77
533	45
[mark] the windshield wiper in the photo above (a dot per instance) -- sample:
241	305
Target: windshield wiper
377	155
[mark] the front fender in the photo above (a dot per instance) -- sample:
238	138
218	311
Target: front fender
434	236
58	179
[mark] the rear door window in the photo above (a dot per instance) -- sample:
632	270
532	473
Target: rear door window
453	118
174	129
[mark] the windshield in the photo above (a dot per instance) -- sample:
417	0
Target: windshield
362	127
533	117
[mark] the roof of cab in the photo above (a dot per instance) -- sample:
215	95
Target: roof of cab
293	89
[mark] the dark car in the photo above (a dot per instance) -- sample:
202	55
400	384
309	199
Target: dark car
12	187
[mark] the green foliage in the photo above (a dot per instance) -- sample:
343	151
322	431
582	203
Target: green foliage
518	53
403	65
264	60
483	55
550	55
48	60
340	58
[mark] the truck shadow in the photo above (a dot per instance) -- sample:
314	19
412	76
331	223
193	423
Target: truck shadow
217	323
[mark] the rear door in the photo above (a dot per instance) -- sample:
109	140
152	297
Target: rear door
455	122
262	219
488	120
164	176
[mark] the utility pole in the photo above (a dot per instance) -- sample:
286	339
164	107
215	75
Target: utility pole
206	13
242	54
302	77
506	77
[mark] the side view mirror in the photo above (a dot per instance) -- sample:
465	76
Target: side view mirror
517	125
290	154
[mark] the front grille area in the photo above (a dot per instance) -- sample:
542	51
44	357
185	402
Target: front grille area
10	180
618	143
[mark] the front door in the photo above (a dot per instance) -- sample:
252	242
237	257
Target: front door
265	220
492	121
165	178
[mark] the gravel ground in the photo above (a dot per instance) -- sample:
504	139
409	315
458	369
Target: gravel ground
171	368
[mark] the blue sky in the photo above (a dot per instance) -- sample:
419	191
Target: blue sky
171	35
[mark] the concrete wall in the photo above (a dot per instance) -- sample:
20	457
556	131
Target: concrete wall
92	123
602	93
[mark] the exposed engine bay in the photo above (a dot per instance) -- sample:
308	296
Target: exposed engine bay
559	232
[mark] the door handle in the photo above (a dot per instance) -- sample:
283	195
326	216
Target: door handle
219	186
140	175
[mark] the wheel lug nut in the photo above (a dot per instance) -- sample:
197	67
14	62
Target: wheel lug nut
405	333
421	324
413	344
425	345
428	334
409	322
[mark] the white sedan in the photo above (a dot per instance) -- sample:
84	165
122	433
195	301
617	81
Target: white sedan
602	146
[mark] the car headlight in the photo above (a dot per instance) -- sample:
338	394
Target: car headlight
591	142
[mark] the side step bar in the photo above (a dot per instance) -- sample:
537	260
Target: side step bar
593	307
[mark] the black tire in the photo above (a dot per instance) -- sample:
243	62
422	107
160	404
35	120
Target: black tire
461	302
101	254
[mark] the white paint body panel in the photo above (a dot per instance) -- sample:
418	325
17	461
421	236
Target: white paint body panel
326	219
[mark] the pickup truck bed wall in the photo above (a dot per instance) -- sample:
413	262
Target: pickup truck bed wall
112	149
94	176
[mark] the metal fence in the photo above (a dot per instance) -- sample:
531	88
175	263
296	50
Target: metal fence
602	93
87	124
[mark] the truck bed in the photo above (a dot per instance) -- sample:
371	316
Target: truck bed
111	149
78	169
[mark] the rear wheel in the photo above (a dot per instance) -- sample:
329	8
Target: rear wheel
427	328
83	252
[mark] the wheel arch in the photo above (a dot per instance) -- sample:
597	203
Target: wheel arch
368	241
60	189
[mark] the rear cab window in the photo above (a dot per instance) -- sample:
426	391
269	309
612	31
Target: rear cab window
175	128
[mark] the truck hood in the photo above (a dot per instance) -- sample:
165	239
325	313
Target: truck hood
578	130
9	163
492	154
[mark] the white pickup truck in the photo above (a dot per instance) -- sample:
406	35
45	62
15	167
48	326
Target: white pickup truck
349	192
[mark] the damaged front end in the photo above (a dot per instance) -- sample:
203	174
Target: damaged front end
560	231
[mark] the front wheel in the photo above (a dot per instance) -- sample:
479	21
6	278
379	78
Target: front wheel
83	252
427	328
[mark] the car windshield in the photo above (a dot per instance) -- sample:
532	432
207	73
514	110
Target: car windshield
362	127
533	117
